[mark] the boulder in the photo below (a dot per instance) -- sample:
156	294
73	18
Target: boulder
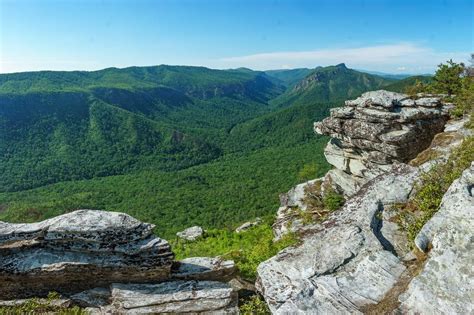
248	225
196	297
191	234
78	251
445	285
344	263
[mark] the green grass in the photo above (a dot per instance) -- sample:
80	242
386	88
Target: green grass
248	249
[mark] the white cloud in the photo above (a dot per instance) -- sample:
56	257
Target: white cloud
413	57
401	68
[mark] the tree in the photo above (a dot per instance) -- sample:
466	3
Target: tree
448	78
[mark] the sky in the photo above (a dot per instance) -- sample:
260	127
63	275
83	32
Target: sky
399	36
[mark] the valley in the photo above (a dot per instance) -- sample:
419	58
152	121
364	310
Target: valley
174	146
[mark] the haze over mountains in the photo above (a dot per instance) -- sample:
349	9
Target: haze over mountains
165	143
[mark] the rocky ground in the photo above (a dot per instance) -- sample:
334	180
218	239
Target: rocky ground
357	259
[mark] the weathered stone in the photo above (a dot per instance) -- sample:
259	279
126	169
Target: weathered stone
191	234
247	225
96	298
345	262
78	251
204	268
197	297
377	129
378	98
445	286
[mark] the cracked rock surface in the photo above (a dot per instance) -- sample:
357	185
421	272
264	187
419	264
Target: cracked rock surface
376	130
344	263
77	251
446	284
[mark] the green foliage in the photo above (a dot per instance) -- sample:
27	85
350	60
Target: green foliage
332	200
248	249
218	194
410	85
433	184
174	146
464	100
289	77
255	305
308	172
447	78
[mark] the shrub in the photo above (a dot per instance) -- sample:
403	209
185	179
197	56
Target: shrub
254	306
333	200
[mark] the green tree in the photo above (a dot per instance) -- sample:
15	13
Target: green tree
448	78
308	172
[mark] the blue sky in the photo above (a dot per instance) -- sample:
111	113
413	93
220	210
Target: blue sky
399	36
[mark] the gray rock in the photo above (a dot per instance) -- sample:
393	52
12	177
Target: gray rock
378	98
204	268
345	262
79	251
197	297
95	298
445	286
247	225
191	234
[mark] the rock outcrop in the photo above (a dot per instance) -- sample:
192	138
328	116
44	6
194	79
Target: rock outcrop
446	284
109	263
75	251
357	259
369	134
344	263
376	130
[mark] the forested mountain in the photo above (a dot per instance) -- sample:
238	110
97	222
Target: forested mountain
289	76
187	145
330	84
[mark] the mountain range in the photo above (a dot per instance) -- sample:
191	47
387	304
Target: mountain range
171	145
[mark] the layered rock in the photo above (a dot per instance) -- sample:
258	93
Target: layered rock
346	262
446	284
376	130
77	251
204	268
109	263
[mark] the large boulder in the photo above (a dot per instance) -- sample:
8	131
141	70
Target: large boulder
77	251
378	129
446	284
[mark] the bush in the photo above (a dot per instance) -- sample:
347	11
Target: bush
254	306
332	200
448	78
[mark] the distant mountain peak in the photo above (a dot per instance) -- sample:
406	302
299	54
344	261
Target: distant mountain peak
341	66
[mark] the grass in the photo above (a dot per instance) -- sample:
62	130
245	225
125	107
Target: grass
248	249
